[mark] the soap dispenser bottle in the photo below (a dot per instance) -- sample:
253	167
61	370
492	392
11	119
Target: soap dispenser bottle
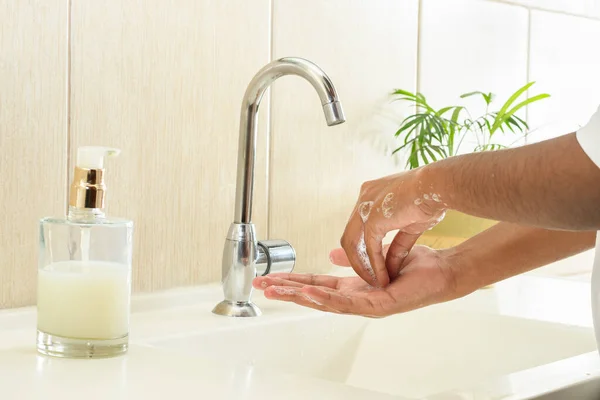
84	271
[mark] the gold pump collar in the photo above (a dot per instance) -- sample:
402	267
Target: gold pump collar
87	189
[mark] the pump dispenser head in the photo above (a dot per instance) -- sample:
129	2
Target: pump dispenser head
87	188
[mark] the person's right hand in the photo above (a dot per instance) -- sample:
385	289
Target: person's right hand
401	202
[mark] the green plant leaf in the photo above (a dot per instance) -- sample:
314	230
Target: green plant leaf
424	156
409	134
410	99
507	104
404	93
526	102
522	122
441	151
488	125
428	150
516	122
418	99
514	97
403	146
409	122
437	129
429	135
411	117
510	122
452	129
475	93
413	160
423	102
487	97
444	110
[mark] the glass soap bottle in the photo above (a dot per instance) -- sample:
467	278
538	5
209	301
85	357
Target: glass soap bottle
84	271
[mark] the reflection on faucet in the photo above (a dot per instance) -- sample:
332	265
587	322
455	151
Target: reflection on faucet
243	255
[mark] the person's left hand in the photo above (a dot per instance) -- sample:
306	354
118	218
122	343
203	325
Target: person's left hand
425	278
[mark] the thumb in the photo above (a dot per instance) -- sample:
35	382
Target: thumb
398	251
338	256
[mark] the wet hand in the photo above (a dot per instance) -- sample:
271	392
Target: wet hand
398	202
424	278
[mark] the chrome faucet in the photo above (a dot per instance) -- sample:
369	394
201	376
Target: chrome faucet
244	257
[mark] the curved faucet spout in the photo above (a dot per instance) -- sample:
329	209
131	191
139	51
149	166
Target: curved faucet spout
243	255
332	108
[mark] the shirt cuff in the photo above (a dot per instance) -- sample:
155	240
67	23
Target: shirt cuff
589	138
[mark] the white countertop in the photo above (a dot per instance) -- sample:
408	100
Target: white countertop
151	373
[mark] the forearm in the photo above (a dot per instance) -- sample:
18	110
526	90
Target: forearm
552	184
506	250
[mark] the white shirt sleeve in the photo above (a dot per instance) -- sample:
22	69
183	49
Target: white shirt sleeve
589	138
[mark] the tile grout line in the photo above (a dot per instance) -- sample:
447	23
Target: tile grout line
419	33
535	8
68	101
528	65
269	136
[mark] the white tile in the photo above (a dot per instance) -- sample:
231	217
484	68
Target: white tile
469	45
580	7
564	62
368	48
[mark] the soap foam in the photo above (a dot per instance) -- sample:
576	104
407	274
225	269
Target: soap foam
285	290
364	210
307	297
387	206
361	249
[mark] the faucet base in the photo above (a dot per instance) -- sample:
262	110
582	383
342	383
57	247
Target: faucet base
237	309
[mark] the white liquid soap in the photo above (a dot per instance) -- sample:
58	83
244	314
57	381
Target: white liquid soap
84	269
84	300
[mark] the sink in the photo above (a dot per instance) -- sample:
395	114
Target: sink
587	390
412	355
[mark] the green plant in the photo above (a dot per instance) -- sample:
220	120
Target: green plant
432	134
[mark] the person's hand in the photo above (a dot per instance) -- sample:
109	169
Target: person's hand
398	202
425	278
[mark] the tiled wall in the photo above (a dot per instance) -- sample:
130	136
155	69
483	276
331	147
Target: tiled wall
164	81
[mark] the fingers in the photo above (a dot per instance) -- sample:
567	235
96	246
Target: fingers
353	243
374	251
338	256
342	303
295	280
399	248
295	295
324	299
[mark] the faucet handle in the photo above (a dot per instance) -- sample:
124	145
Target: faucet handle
275	256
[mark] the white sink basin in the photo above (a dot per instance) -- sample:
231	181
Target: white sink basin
410	355
588	390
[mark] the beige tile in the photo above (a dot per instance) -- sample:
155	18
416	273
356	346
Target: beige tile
32	137
367	48
565	65
164	82
469	45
